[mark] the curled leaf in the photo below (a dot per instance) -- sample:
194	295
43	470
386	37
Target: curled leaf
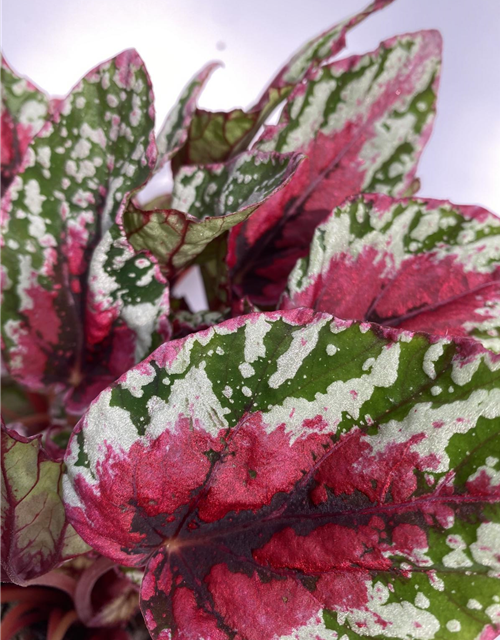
174	131
207	202
289	475
422	265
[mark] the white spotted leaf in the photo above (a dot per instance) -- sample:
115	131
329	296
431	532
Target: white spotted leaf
418	264
292	475
97	146
362	123
25	109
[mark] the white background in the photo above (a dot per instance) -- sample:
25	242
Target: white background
55	42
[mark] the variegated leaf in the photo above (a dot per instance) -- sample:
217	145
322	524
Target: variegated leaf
217	136
24	111
423	265
126	315
36	537
206	202
174	132
99	145
362	122
290	475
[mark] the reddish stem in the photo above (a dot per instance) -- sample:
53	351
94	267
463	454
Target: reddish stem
15	619
54	620
64	624
56	580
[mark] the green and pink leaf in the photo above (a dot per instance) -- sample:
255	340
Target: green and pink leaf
362	123
206	203
216	136
289	474
126	315
97	147
423	265
24	111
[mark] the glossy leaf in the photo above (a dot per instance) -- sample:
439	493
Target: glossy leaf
422	265
174	131
289	475
98	146
215	136
24	111
207	202
36	537
362	122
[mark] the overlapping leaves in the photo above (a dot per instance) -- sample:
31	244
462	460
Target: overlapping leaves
207	202
362	122
423	265
278	475
289	473
218	136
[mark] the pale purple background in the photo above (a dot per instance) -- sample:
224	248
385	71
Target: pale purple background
55	42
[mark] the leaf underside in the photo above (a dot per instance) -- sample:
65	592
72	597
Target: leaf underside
206	203
36	537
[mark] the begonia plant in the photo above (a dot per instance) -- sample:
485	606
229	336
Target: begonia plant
316	455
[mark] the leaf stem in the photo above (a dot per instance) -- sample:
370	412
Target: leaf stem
15	619
62	626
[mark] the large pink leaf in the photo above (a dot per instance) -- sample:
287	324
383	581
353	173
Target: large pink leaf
423	265
289	475
362	122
